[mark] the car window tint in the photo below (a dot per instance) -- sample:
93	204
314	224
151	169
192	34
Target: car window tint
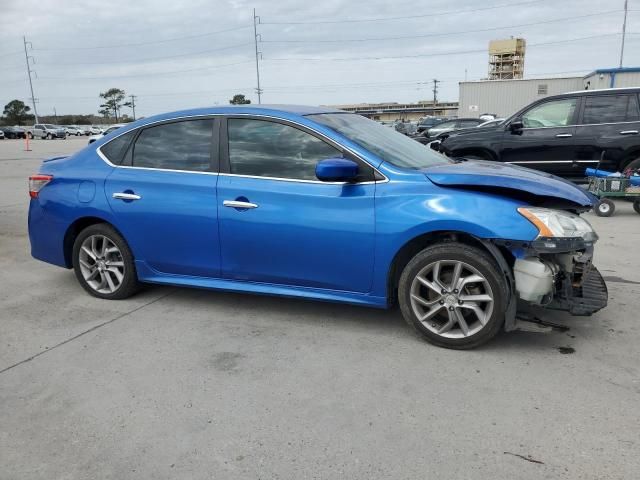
268	149
116	148
556	113
610	109
445	125
184	145
469	123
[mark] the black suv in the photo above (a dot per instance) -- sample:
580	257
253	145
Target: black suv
562	134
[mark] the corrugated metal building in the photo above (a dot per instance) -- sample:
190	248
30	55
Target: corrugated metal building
505	97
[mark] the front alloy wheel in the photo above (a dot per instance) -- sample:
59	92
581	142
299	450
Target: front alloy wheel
103	263
454	295
456	289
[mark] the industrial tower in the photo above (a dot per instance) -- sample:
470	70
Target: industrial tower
506	58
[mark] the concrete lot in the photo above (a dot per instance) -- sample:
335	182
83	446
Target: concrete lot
179	383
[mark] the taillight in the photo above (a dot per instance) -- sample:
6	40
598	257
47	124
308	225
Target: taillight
37	183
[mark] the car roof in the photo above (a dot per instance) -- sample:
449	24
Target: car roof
247	110
598	90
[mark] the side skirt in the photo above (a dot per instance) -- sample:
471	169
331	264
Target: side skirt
149	275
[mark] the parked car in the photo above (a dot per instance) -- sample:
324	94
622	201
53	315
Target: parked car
13	132
1	135
46	131
426	123
116	126
491	123
95	130
407	128
85	129
316	203
561	134
74	130
432	133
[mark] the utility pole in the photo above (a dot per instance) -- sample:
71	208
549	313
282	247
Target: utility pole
624	30
26	57
133	106
256	19
435	93
55	114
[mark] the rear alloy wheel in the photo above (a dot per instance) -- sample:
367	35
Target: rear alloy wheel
453	295
605	207
103	263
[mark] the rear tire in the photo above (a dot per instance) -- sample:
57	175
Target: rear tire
103	263
605	207
450	313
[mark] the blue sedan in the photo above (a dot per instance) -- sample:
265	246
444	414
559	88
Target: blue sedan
321	204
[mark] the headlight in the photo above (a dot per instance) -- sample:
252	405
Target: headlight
558	224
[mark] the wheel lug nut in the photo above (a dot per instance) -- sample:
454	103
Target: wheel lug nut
451	308
441	302
460	302
443	291
455	291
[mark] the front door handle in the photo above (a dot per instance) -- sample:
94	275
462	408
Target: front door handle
239	204
564	135
629	132
126	196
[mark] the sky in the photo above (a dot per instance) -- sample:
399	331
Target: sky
191	53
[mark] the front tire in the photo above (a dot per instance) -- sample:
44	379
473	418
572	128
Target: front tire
103	263
453	295
605	207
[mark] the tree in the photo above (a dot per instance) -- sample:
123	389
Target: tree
16	112
113	101
239	99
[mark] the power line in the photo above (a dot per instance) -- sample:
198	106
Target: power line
147	59
456	32
144	43
384	19
435	54
154	74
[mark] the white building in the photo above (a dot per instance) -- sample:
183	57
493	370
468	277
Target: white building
505	97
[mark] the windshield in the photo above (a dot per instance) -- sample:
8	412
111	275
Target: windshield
386	143
48	125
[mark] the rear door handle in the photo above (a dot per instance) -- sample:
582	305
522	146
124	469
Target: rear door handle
564	135
126	196
629	132
239	204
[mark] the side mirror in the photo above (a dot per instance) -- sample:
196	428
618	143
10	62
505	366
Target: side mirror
336	170
516	126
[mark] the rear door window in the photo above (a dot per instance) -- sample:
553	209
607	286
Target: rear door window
116	149
183	145
610	109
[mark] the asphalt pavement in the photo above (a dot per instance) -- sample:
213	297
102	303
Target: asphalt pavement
178	383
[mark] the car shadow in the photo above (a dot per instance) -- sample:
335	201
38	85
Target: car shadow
377	321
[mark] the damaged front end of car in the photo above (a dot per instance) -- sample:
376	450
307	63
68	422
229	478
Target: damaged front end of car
555	271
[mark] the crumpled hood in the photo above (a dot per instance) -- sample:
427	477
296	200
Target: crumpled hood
502	176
